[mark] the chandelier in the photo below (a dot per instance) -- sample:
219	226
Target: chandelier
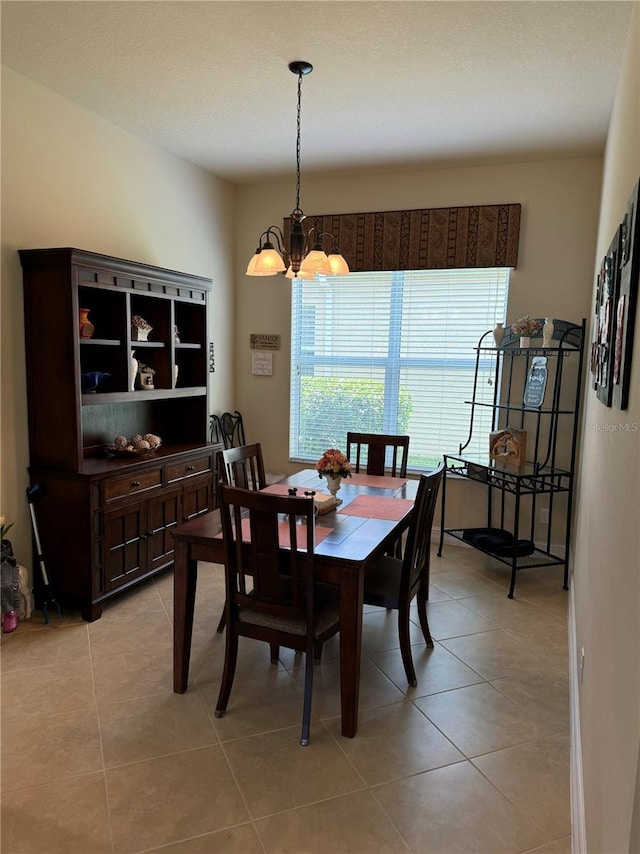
304	257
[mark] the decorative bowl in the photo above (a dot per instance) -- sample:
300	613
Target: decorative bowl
125	452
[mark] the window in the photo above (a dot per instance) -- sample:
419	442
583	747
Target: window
393	353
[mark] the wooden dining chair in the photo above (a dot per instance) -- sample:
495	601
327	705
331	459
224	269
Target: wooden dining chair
375	448
271	590
393	583
371	450
242	467
228	429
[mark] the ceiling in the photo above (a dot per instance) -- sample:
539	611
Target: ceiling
395	84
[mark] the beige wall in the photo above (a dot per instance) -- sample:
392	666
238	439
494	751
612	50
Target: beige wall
606	579
555	271
69	178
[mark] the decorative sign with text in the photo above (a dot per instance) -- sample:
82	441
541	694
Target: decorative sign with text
264	342
536	382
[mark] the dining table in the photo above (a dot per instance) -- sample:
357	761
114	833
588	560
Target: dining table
374	511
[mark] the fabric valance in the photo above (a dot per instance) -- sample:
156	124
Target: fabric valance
424	239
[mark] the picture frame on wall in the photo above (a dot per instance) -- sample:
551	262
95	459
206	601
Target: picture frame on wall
626	301
604	326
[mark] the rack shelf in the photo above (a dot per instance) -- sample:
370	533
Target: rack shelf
517	489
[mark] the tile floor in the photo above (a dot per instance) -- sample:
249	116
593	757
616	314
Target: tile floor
99	756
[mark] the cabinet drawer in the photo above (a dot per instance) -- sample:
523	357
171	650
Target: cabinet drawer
131	484
188	468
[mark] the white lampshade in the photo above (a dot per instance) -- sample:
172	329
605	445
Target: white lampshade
269	262
301	274
339	266
251	267
316	262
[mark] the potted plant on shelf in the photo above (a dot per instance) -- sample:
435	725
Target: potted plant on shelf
140	329
145	377
527	328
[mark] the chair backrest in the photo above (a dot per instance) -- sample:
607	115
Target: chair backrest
270	538
377	445
242	467
228	428
417	551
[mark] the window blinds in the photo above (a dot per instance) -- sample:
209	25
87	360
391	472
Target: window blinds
393	352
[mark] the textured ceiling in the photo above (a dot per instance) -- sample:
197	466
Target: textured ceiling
395	84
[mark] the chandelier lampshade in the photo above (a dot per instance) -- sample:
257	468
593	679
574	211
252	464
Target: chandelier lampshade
296	258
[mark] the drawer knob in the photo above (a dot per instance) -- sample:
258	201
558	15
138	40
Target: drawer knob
189	468
135	483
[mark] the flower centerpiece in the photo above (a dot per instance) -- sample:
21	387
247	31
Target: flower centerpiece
140	329
526	327
333	465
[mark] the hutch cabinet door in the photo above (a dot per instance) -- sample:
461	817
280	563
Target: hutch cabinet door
125	548
163	514
197	498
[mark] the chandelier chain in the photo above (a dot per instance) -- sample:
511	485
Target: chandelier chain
298	142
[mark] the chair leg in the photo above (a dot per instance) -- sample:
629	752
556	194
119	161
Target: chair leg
421	601
405	643
223	621
275	652
230	660
308	693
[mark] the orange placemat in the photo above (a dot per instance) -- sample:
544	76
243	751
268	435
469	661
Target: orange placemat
283	528
378	507
375	480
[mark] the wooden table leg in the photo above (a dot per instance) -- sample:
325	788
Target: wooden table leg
351	595
185	576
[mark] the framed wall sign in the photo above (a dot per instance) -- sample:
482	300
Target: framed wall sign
604	327
627	301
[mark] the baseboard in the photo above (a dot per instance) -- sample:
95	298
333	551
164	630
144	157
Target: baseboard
578	826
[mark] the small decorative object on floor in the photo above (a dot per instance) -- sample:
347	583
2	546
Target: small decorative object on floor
86	327
527	328
498	334
547	332
333	465
140	329
9	582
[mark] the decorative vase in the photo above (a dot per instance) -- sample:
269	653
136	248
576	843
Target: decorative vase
133	370
547	332
498	334
333	485
86	327
525	341
176	370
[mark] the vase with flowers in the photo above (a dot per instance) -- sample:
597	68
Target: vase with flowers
333	465
527	328
140	329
